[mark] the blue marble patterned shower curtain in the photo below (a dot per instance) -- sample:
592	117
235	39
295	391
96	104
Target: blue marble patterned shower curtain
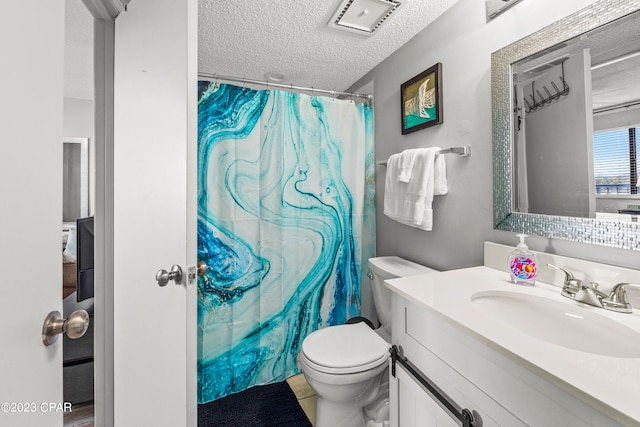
286	222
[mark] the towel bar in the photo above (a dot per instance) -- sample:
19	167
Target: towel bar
465	416
461	151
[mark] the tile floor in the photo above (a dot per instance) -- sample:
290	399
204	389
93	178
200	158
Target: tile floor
306	396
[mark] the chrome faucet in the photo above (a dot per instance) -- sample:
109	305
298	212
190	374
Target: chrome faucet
571	285
589	293
617	300
578	290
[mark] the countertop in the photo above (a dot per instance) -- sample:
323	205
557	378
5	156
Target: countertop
609	384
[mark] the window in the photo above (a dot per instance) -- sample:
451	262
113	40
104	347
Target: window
615	161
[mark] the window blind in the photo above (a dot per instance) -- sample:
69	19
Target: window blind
616	161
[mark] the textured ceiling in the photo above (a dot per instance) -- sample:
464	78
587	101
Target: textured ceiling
248	38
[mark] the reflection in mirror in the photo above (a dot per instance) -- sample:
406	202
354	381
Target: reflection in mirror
563	96
566	110
75	192
75	204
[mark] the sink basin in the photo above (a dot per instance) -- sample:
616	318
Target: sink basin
565	324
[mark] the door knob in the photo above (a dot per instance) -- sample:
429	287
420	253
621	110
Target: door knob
163	276
202	269
202	272
74	326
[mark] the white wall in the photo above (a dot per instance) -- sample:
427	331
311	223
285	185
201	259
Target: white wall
621	118
78	118
462	40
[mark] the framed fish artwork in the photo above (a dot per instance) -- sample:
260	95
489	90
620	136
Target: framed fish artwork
421	100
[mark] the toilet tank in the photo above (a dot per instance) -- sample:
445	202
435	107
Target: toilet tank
389	267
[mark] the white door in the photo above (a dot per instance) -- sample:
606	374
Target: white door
154	167
31	75
155	90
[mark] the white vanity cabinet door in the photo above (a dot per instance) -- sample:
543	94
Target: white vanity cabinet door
411	405
416	407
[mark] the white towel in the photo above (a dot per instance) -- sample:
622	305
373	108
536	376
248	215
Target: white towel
405	165
410	203
440	187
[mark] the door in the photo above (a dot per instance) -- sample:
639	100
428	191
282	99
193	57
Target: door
155	90
154	329
31	74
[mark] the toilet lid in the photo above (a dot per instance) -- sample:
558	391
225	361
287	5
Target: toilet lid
345	347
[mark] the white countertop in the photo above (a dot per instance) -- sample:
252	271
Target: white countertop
609	384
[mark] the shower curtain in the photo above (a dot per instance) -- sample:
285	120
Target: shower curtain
286	221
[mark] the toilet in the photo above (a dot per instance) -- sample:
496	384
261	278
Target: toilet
347	364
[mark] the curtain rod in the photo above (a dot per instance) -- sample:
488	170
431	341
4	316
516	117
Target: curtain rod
215	77
616	107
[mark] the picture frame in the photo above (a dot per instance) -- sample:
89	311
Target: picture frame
421	100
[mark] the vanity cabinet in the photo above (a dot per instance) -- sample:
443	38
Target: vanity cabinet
415	405
498	388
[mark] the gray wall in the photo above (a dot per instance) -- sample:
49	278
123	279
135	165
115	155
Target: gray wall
462	40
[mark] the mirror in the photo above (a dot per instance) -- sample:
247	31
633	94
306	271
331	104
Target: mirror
75	190
550	92
564	95
75	204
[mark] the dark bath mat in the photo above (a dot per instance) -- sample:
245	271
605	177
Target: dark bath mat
273	405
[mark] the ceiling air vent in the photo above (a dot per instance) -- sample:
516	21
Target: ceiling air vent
362	16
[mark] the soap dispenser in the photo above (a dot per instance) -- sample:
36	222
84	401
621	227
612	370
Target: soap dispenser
523	264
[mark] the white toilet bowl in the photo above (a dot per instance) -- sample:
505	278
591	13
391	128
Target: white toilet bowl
347	365
347	368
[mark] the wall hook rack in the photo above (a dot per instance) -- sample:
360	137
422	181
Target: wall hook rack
543	100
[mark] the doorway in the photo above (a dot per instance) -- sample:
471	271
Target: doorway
78	209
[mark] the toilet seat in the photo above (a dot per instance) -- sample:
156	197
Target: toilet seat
344	349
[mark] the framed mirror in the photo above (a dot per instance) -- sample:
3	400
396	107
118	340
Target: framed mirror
552	91
75	174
